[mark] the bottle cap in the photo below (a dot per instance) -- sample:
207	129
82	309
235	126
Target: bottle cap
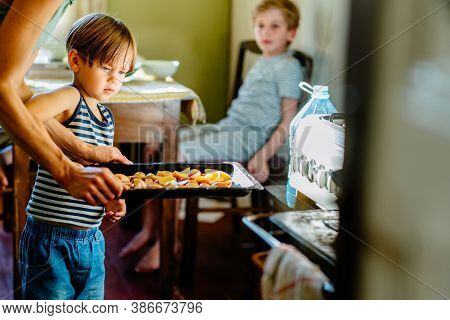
321	92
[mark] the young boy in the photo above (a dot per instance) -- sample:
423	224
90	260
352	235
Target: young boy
258	120
61	248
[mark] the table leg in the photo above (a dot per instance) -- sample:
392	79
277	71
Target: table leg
170	148
189	244
167	234
167	241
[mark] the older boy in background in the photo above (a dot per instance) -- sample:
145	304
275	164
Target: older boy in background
258	120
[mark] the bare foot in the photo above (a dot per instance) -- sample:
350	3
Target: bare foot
3	179
177	248
150	261
138	241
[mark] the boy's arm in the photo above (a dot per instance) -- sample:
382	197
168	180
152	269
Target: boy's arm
115	210
59	104
257	165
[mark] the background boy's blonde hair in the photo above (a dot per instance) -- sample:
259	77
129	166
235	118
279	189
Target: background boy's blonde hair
288	8
100	37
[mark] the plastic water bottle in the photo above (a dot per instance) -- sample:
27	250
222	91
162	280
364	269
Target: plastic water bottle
319	103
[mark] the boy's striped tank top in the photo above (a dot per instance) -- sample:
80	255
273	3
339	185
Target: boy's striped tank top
50	202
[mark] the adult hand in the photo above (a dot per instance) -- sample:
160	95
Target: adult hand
93	185
259	168
115	210
105	154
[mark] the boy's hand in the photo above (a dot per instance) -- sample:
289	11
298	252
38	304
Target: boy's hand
258	168
115	210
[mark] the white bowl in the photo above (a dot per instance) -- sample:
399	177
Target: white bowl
161	69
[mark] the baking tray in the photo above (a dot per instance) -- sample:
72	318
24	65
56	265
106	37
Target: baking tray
264	227
307	227
243	182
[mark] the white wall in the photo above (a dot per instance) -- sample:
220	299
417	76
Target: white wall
322	34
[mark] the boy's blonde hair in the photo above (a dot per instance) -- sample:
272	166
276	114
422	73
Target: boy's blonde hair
288	9
100	37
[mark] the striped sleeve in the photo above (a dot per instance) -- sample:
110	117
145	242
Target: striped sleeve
288	76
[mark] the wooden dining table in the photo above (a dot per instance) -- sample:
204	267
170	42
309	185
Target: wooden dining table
144	112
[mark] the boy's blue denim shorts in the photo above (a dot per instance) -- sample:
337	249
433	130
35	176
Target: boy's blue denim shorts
61	263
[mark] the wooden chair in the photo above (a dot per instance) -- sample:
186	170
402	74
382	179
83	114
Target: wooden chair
250	46
259	201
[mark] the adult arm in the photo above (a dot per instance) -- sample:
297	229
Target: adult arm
20	30
80	151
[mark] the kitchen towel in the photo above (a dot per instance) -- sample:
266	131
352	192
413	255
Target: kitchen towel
289	275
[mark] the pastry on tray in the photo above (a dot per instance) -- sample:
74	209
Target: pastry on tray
185	179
